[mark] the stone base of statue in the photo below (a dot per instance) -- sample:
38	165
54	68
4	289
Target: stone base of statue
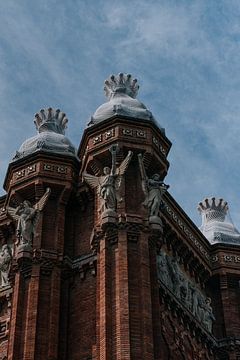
24	250
109	216
155	223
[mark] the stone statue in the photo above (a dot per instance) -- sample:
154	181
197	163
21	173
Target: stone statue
174	271
108	185
189	299
153	189
200	306
183	288
27	217
5	264
163	270
208	316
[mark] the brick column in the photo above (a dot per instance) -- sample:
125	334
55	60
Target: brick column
104	301
122	299
146	298
32	314
15	335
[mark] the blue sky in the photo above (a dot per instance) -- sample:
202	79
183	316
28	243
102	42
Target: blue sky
185	55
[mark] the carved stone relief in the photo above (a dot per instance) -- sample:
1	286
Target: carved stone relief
226	258
5	264
157	143
25	172
171	275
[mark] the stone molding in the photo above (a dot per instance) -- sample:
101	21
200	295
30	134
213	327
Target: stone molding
185	229
47	260
136	134
81	264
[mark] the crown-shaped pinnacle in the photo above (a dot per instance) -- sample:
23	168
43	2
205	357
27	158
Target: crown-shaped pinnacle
213	204
121	83
213	209
51	120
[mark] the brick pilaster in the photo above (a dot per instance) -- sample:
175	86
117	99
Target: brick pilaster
146	298
122	299
104	302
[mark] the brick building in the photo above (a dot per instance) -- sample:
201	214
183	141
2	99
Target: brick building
97	259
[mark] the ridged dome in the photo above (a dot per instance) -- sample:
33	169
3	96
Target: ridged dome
51	125
121	91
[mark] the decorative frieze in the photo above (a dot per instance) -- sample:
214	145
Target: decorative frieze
185	291
97	139
25	172
137	133
32	169
60	169
157	144
226	258
186	230
109	134
104	136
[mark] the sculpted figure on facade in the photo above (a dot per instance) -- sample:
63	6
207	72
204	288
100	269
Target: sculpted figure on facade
183	288
170	273
175	276
5	264
27	217
208	316
200	306
163	269
153	189
108	184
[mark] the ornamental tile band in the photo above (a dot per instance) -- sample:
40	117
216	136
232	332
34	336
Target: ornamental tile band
186	230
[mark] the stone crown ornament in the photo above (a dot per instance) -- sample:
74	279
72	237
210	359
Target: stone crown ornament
51	120
121	83
121	91
213	209
216	225
51	125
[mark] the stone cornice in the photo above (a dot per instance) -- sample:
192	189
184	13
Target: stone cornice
184	225
81	264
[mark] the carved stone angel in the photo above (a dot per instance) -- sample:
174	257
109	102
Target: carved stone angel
5	264
153	189
108	185
27	217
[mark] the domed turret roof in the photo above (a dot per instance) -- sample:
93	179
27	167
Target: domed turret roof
121	91
51	125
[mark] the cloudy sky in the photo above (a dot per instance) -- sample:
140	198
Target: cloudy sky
185	55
